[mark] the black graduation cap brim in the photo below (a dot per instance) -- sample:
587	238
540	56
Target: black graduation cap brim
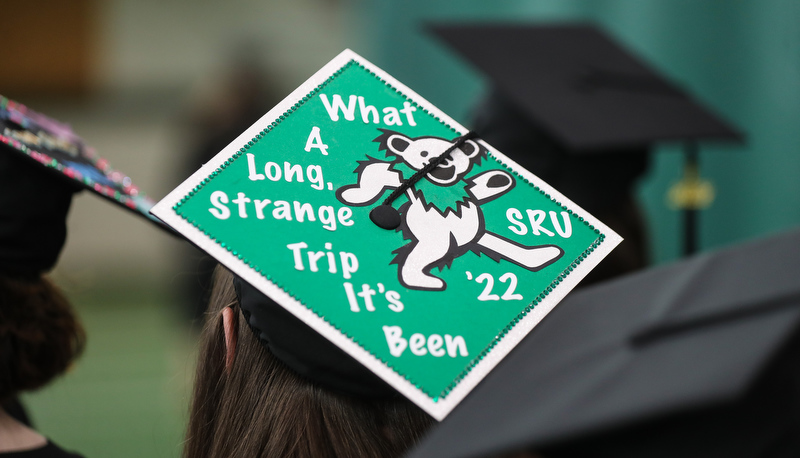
305	351
695	335
57	149
583	88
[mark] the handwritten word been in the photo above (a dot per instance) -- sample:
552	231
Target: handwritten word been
282	209
391	115
536	219
421	346
349	261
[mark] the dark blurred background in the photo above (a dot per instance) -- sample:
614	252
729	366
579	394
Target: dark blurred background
156	86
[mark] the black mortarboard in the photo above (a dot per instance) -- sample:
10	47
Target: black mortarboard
42	164
303	349
582	87
698	358
581	112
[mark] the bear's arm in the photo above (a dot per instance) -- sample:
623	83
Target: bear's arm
489	185
373	180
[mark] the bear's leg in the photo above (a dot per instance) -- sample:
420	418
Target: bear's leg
412	272
532	258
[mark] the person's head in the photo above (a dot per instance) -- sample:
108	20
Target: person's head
39	333
40	336
33	216
246	402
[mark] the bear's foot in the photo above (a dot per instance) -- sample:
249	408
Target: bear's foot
416	279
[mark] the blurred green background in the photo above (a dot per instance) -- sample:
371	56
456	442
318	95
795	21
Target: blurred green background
146	82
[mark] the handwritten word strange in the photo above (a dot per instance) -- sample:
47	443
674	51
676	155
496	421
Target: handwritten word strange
281	209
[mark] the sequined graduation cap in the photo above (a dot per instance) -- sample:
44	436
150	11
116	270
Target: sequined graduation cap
694	359
42	164
480	249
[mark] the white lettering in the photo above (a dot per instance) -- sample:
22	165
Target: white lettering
435	345
241	200
366	110
391	117
314	174
315	141
260	204
566	232
273	171
282	210
298	258
218	199
366	294
327	217
514	217
351	298
331	258
338	104
251	168
455	345
313	257
407	110
394	301
416	343
394	338
301	211
419	345
344	215
536	218
290	171
349	264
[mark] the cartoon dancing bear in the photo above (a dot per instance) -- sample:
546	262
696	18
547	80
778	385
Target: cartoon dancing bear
440	231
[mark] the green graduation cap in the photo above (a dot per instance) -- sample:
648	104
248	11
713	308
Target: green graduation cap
385	226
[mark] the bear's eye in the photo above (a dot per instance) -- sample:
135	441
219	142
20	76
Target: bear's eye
399	144
423	153
468	149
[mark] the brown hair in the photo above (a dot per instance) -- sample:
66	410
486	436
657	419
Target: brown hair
39	334
260	408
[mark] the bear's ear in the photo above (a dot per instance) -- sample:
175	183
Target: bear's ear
398	143
470	149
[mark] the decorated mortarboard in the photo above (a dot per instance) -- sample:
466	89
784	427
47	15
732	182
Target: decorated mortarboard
382	224
42	164
582	87
694	359
55	146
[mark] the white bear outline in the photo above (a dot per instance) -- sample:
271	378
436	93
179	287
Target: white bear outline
439	236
